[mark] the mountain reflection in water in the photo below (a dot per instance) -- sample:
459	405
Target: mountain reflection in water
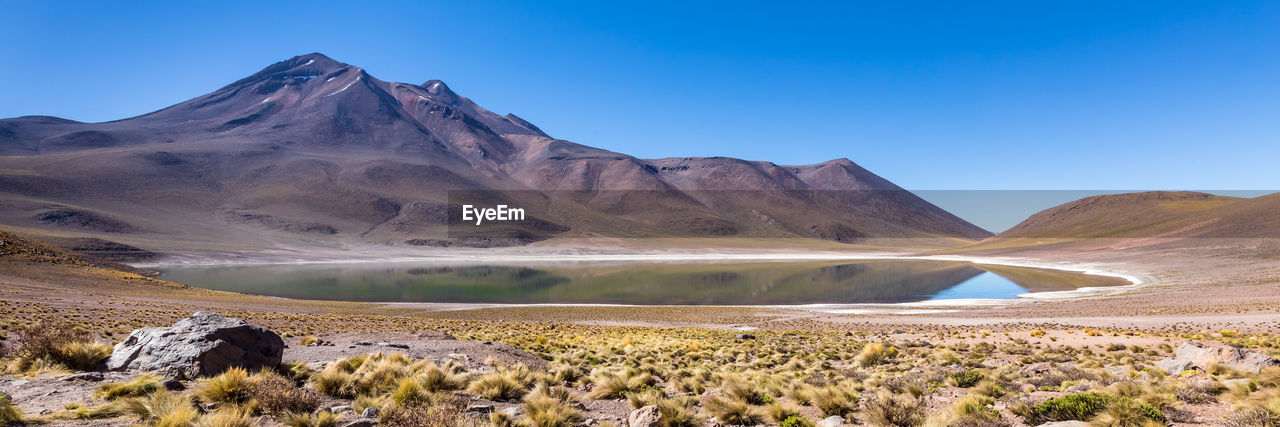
754	283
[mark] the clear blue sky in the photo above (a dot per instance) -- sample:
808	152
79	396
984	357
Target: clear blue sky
931	95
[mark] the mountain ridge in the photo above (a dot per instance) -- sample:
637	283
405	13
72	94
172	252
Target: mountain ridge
314	150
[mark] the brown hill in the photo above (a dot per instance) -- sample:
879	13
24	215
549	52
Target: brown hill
310	151
1155	214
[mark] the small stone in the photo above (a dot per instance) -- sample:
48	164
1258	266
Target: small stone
513	411
83	376
173	385
340	409
746	337
19	383
831	421
1236	382
480	409
393	345
363	343
209	407
644	417
1118	371
370	412
1080	388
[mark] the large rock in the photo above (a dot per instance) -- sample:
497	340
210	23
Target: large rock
201	345
643	417
1191	355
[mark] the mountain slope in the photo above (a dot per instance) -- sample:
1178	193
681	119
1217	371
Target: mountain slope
311	151
1155	214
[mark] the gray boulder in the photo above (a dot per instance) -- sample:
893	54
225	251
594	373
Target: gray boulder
1191	355
201	345
1173	366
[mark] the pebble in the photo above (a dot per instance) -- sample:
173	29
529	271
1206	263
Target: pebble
831	421
480	409
83	376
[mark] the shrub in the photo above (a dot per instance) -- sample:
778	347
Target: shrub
226	417
889	410
434	379
565	373
563	394
319	419
277	395
672	412
731	411
834	401
381	373
966	379
336	383
1125	412
143	385
82	355
1079	407
110	410
795	421
1251	416
445	412
875	353
779	413
616	385
972	411
163	408
503	384
542	410
47	342
988	388
738	388
410	392
232	386
9	414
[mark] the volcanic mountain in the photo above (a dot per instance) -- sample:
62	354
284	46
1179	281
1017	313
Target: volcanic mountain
313	151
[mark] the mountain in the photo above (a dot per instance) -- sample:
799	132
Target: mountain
1160	214
316	152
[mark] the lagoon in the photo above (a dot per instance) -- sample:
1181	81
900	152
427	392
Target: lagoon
638	283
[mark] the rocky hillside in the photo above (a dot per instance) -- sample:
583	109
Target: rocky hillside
312	151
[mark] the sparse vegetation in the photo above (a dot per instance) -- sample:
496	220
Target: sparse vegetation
143	385
48	345
9	414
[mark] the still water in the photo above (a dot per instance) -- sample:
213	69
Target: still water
753	283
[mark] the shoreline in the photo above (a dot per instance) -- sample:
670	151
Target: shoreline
1135	280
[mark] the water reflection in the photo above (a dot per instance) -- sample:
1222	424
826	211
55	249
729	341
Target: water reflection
757	283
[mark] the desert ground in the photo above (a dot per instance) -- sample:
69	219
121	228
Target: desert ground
1015	363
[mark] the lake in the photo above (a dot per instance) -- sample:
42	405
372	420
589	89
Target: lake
743	283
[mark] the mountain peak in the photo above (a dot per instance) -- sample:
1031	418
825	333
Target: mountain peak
437	88
315	59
